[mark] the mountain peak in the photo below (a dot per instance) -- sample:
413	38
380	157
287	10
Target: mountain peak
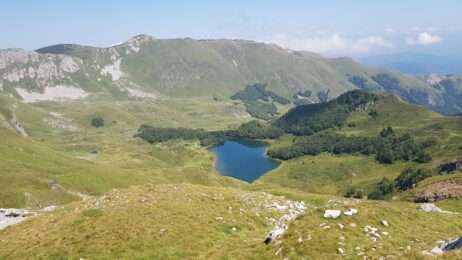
139	39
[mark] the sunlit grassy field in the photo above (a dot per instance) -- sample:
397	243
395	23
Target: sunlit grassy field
58	148
184	221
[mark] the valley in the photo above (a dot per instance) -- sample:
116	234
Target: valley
129	168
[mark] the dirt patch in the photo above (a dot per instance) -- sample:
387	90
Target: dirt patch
440	191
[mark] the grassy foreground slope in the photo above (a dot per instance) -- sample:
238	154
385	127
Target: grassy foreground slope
334	174
200	222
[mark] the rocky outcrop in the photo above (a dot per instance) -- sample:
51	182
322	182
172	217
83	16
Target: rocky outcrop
445	246
113	70
434	79
13	124
42	68
69	64
428	207
15	56
10	217
292	209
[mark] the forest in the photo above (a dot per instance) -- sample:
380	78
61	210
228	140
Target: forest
257	101
387	147
308	119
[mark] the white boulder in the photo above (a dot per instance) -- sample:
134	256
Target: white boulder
350	212
332	213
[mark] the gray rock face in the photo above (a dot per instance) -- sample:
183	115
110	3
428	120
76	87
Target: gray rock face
69	64
448	245
13	124
434	79
42	69
12	56
47	70
452	244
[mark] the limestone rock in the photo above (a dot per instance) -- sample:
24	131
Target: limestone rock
429	207
332	213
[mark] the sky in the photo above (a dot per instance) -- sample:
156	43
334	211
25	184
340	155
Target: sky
330	27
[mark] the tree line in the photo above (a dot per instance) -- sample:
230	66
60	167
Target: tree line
250	130
387	147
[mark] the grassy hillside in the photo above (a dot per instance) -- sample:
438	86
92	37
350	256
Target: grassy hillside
61	138
334	174
197	222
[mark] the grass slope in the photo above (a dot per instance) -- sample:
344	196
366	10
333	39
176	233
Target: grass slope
61	151
198	222
332	174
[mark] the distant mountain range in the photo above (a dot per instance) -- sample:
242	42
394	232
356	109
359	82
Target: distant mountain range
145	67
416	63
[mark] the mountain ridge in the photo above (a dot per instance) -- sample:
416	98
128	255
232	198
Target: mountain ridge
145	67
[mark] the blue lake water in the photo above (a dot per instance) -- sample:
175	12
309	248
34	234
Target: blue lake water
243	159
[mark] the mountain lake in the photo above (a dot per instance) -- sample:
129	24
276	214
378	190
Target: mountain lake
243	159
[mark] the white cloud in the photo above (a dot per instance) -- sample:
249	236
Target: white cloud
326	42
424	38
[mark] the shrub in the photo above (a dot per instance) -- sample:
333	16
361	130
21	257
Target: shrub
382	190
410	177
352	192
97	121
